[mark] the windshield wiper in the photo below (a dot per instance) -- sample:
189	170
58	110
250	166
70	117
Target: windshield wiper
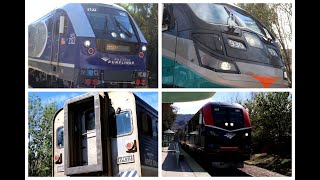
119	25
231	23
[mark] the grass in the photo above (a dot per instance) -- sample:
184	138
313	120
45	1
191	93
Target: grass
272	162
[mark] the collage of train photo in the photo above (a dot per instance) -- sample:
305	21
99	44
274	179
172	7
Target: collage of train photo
160	89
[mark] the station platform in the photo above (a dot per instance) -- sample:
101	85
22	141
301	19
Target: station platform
184	167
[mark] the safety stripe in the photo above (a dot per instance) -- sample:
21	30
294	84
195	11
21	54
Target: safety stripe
52	62
128	174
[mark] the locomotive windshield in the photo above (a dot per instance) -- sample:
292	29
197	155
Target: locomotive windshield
218	14
110	24
211	13
228	115
247	21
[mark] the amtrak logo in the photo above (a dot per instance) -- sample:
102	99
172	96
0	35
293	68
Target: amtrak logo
229	135
105	59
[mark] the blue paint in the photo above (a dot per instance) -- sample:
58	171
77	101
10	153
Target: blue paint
128	173
134	174
79	20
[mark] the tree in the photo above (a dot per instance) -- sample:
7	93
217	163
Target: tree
169	114
40	137
277	17
146	17
270	114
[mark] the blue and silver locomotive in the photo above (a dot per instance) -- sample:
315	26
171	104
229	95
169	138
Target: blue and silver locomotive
87	45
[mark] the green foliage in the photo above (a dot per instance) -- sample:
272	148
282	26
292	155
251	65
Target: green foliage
146	17
274	163
40	137
262	11
277	18
270	114
169	114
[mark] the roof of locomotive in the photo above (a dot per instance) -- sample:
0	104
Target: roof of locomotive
224	104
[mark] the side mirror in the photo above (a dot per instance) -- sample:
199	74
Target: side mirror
61	25
165	19
165	24
165	27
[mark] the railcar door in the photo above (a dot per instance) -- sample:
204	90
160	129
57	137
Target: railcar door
84	138
58	30
124	141
58	145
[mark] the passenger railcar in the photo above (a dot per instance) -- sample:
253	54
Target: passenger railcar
105	134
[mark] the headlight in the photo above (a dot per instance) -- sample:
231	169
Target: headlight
144	48
215	64
86	43
113	34
246	134
272	52
236	44
253	40
225	66
122	36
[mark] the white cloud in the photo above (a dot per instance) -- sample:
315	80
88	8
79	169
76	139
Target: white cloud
59	99
38	8
191	107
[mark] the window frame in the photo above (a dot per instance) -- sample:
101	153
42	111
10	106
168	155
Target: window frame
57	137
149	124
131	122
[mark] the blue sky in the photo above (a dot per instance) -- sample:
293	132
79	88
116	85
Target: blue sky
193	107
60	97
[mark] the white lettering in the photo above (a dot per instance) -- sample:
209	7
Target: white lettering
92	9
72	39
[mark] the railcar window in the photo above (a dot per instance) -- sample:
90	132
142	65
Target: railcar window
146	124
90	119
60	137
56	27
124	123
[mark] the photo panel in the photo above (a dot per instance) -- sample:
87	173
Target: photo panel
92	45
93	134
226	134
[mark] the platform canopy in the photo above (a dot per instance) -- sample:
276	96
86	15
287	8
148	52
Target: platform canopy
172	97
